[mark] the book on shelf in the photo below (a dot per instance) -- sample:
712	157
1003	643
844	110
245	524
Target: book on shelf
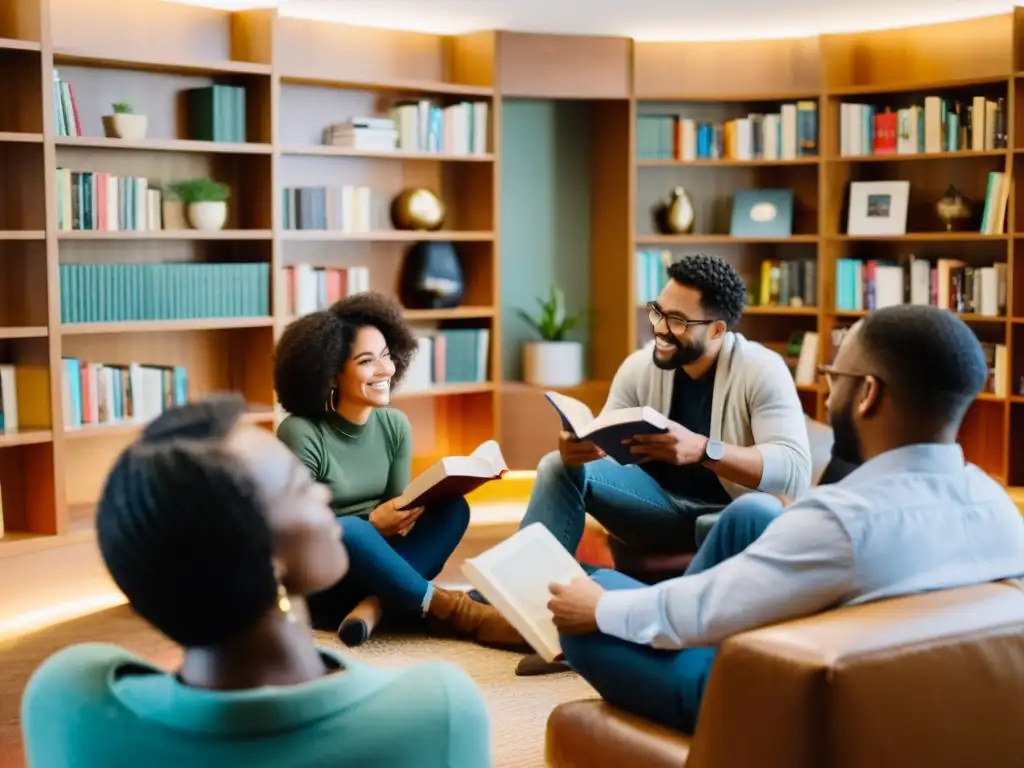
788	134
96	201
345	209
448	356
946	283
417	126
310	289
24	397
651	274
802	357
454	476
997	197
788	283
65	107
936	125
217	113
515	577
609	429
110	393
109	293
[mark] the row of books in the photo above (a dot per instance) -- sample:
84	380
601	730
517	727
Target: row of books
788	283
946	283
217	113
109	393
347	208
310	289
787	135
420	126
449	356
65	108
107	293
937	125
88	200
651	276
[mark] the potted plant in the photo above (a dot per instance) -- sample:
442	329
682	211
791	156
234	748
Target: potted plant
205	202
553	361
124	123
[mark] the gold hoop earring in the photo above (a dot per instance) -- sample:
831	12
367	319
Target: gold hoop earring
330	404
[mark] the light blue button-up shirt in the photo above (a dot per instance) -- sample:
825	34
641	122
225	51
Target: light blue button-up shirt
914	519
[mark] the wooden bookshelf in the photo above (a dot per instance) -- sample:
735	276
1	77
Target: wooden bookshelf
51	474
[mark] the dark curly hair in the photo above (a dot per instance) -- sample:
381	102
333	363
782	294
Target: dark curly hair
723	294
313	350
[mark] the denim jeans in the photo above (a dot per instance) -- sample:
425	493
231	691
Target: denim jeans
666	686
627	501
397	569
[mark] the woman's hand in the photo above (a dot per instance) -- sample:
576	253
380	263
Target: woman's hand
391	521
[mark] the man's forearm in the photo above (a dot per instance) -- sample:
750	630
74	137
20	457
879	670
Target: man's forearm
743	466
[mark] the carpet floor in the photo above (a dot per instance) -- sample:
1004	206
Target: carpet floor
519	707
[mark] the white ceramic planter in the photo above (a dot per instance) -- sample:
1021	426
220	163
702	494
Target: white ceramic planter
208	216
553	363
125	126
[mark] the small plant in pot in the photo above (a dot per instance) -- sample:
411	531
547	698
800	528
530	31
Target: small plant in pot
124	123
553	361
205	202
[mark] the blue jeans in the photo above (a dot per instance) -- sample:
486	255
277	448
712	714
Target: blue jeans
627	501
397	569
666	686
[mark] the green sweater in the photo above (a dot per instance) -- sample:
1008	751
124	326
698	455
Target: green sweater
96	705
363	464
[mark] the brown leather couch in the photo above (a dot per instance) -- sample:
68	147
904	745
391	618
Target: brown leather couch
928	681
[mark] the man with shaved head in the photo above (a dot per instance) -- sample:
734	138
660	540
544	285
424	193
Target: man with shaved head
899	388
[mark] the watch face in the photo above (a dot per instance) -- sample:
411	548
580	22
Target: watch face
715	450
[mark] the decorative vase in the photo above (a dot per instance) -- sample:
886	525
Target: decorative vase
674	216
125	126
207	216
553	363
431	277
417	209
953	209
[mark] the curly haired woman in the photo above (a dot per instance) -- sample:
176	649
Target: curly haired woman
334	373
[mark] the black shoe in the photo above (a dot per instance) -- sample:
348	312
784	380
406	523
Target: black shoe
353	632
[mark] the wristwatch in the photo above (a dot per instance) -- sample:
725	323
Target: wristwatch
714	450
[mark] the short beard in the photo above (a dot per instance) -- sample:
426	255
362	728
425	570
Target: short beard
683	355
846	443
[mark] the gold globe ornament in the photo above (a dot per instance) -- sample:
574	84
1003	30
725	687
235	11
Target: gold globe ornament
417	209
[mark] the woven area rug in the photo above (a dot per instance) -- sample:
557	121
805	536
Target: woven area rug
519	707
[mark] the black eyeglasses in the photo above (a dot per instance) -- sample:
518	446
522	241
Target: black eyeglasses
677	325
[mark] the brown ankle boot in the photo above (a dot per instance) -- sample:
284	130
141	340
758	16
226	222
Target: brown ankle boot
466	618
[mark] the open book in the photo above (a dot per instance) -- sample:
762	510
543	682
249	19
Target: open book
514	577
455	476
608	430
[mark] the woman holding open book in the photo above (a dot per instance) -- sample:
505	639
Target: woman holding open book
334	373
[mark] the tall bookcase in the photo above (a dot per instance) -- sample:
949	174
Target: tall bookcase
298	77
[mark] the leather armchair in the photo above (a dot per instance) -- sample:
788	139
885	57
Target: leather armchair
927	681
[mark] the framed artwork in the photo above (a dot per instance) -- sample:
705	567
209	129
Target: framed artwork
762	213
878	208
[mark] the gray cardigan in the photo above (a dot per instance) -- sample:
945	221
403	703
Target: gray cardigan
754	403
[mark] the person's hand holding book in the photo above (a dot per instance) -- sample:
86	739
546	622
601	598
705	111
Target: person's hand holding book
391	521
678	446
573	606
576	452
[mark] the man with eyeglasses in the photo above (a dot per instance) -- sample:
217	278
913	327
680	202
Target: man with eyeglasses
913	516
737	426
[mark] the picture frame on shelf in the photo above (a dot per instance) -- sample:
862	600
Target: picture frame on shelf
878	208
762	213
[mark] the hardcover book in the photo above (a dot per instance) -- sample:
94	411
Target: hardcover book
610	429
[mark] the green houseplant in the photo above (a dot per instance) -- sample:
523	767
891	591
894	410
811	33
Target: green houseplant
554	360
205	202
124	124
